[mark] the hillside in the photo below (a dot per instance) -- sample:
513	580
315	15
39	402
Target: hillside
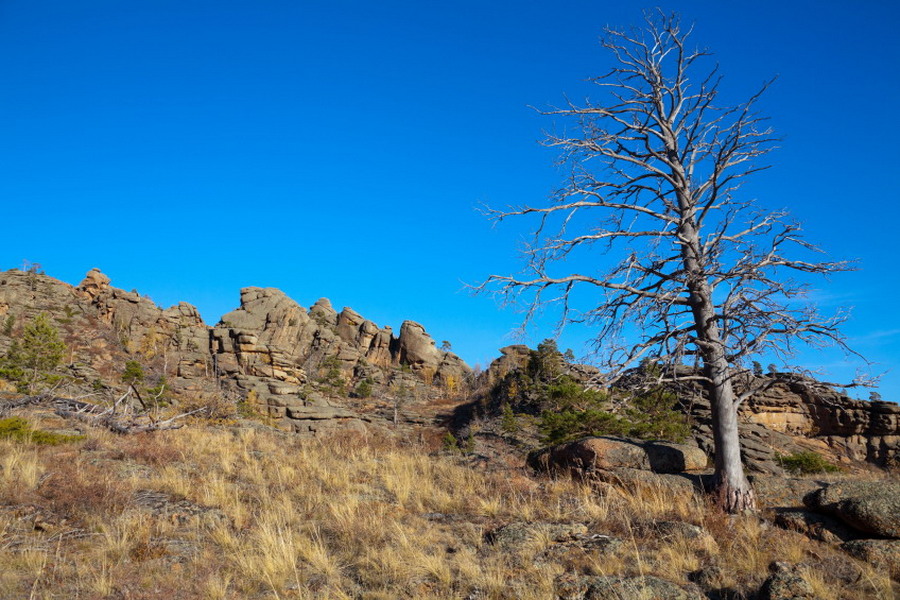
314	454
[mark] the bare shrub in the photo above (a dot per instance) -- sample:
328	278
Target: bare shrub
79	490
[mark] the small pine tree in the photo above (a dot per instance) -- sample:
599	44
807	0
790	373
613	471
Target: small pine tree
31	362
8	325
134	372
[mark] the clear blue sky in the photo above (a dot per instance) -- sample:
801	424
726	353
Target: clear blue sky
190	148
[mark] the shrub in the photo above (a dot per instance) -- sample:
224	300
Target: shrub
331	374
8	325
450	443
160	394
546	362
363	388
805	463
556	427
653	415
17	428
648	416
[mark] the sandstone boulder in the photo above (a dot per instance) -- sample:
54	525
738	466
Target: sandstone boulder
94	283
417	348
584	457
870	506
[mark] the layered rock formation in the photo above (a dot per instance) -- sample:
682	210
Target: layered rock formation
857	429
266	349
270	345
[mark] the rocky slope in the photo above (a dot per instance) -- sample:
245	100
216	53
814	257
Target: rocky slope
270	350
792	414
298	366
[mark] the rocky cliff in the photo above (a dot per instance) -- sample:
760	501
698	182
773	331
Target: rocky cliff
269	350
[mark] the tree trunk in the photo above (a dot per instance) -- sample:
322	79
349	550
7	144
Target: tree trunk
730	484
731	487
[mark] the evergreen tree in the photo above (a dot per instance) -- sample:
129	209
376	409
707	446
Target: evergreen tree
31	362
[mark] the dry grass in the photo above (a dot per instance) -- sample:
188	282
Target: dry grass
250	513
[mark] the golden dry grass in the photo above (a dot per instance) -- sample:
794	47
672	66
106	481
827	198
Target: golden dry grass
255	513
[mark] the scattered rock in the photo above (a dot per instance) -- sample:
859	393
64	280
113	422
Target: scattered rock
679	529
880	553
814	526
869	506
515	536
786	583
178	510
708	578
626	588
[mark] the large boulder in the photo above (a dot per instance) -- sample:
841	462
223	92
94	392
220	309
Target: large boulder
870	506
605	453
417	348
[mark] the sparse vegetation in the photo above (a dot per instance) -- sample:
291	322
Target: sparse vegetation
363	388
18	429
805	463
133	373
566	409
240	513
8	323
331	376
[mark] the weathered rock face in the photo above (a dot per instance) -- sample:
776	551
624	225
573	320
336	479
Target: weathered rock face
144	327
511	358
271	336
872	507
857	429
267	348
800	415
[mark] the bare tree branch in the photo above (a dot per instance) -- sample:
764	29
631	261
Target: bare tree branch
704	278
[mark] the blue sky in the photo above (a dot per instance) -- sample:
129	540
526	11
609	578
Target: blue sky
342	149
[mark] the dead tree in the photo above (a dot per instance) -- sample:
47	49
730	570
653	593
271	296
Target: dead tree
702	276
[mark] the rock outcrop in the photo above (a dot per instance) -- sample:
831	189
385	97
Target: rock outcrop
856	429
872	507
267	350
271	346
604	453
796	414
